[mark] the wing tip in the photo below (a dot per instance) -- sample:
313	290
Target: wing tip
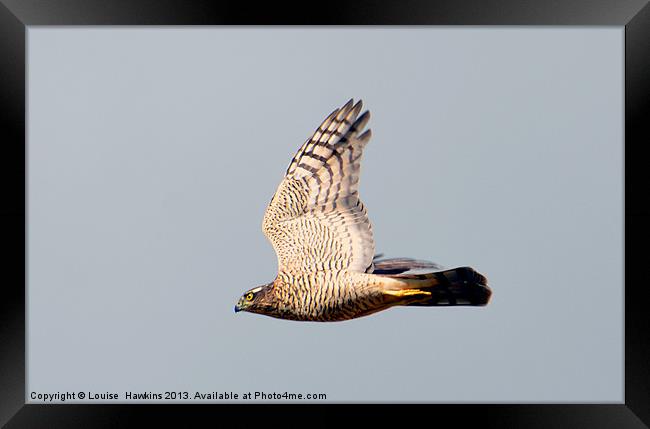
361	121
365	136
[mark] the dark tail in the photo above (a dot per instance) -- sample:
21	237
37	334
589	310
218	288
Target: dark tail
457	286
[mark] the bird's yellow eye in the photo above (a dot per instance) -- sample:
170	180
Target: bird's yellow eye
249	296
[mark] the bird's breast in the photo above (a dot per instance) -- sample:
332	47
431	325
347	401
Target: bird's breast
326	296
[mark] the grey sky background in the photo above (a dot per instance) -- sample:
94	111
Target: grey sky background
153	152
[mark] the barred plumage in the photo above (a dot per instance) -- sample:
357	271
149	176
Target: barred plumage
323	240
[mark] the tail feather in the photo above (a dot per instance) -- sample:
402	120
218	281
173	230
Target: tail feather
457	286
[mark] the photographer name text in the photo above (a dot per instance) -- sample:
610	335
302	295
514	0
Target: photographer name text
172	396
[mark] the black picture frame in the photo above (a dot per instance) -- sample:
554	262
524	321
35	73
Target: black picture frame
17	15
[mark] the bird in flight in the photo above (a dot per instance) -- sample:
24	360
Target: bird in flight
321	234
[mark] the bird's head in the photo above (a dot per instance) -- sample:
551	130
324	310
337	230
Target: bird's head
257	300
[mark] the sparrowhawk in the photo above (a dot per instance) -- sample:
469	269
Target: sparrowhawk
320	231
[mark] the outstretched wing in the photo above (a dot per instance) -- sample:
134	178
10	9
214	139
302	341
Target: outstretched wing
403	266
315	220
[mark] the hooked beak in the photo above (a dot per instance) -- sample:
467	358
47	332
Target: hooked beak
237	308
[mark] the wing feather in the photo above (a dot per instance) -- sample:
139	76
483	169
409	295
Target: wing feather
315	219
